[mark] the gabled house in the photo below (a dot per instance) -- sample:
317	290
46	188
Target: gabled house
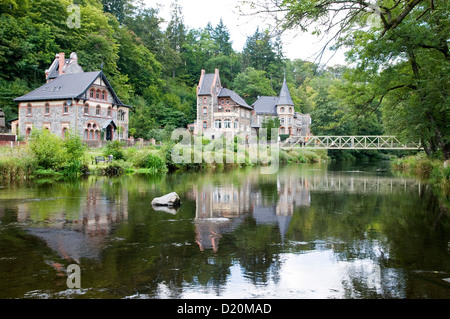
84	102
220	109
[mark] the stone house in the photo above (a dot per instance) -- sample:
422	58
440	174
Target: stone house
84	102
220	110
291	123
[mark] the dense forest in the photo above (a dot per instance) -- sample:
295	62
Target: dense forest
154	66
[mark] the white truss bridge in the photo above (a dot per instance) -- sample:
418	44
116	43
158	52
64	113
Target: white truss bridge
348	143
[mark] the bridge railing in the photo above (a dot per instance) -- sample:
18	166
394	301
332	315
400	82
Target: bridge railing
352	142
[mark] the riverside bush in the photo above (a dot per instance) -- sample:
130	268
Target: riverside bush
48	149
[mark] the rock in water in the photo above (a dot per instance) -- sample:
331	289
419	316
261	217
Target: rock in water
171	199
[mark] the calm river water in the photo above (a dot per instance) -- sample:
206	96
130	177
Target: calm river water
309	231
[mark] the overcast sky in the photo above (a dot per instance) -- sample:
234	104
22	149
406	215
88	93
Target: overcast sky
197	13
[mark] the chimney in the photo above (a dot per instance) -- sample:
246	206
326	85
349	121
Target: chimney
62	62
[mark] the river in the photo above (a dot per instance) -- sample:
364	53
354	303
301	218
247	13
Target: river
309	231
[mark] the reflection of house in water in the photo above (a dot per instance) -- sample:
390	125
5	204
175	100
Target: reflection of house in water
220	209
292	192
76	226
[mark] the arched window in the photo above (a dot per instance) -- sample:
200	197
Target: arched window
104	95
218	124
65	108
205	110
282	110
121	115
204	100
86	134
86	108
29	109
236	123
290	110
205	125
28	131
92	93
109	111
91	135
97	95
97	110
227	123
47	108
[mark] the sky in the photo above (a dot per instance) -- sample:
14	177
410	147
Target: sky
197	14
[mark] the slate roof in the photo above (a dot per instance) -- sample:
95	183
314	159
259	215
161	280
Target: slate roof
67	86
235	97
266	105
207	82
285	96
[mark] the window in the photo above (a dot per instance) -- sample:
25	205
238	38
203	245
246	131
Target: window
86	134
227	123
290	120
282	110
109	111
64	132
86	108
228	102
205	125
227	110
282	120
236	123
104	95
121	116
47	108
290	110
218	124
92	93
222	102
29	109
204	100
65	108
205	110
97	95
97	110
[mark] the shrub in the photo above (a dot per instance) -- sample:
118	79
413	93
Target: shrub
48	149
115	148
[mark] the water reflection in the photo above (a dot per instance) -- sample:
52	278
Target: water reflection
306	232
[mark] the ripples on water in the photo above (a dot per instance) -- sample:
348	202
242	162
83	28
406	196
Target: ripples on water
310	231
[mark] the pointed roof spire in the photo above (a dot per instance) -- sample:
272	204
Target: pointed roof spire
285	97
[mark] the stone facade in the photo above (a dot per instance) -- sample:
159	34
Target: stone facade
83	102
220	110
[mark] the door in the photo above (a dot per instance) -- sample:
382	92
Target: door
109	133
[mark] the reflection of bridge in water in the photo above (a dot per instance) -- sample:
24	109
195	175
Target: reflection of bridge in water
361	184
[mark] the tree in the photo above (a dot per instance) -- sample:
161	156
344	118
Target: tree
252	83
401	55
221	36
176	32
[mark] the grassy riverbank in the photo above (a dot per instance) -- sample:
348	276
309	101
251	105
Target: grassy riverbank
431	170
49	156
